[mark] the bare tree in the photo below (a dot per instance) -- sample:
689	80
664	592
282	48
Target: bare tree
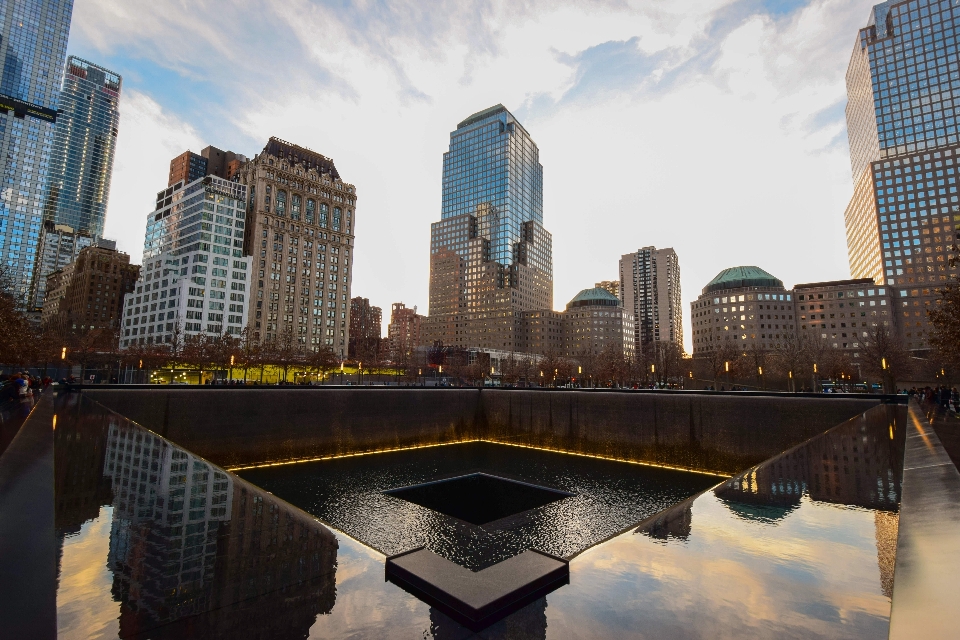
815	350
285	352
322	361
757	362
885	358
612	366
789	358
945	318
666	361
724	363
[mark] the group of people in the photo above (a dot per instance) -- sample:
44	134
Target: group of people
21	385
943	395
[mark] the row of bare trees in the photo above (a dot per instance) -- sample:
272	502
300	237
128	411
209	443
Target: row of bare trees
803	362
798	362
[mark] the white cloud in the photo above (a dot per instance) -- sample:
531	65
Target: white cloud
149	138
706	126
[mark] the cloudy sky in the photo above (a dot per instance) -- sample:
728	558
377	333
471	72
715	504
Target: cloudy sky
711	126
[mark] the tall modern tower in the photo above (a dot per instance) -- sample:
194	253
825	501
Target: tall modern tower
902	92
490	257
34	40
650	291
81	163
82	160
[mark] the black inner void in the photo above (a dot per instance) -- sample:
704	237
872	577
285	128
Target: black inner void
479	498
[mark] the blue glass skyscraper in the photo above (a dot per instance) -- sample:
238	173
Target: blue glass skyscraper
494	164
33	38
82	159
491	258
81	164
903	90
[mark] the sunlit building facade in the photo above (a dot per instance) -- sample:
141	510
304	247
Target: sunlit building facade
34	35
490	256
904	215
650	291
195	277
89	292
594	321
300	237
742	309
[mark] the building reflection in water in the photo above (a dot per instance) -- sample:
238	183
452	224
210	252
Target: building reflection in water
528	623
194	551
857	464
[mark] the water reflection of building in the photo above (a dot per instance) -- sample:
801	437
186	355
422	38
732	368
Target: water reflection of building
168	508
672	523
529	623
188	539
856	464
81	489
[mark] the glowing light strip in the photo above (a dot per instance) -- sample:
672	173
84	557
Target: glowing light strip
338	456
343	455
611	459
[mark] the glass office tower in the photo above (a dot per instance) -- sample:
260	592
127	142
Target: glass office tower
84	145
81	161
903	87
490	257
34	40
494	164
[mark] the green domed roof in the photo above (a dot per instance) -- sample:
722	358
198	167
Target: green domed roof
595	297
740	277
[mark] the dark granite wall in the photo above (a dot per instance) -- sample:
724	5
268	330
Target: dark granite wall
712	432
715	432
232	427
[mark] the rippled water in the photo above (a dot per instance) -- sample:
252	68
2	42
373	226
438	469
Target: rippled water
609	497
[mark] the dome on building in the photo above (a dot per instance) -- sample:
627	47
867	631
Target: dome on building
595	297
742	277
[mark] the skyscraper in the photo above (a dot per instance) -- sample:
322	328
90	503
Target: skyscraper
300	233
34	37
59	245
490	257
81	162
650	291
904	215
195	276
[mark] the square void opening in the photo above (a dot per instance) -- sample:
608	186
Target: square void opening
479	498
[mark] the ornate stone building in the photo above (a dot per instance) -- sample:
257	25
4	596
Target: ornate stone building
301	236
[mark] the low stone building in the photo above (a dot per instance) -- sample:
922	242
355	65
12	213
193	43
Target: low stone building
594	320
88	293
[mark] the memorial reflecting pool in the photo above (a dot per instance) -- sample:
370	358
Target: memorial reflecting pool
156	542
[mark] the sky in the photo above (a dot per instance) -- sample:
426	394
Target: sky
715	127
